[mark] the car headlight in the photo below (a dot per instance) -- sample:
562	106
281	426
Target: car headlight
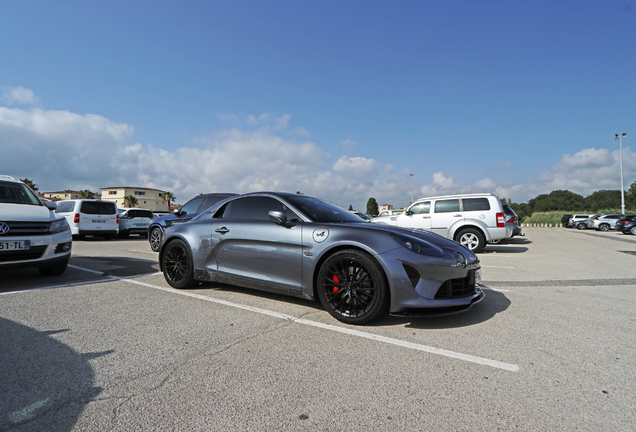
418	246
58	225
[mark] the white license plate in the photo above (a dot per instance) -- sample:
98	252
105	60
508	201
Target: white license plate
98	221
15	245
145	225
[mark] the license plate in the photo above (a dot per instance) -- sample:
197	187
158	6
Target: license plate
98	221
142	225
15	245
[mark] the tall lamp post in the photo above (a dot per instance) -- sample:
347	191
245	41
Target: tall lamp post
620	143
411	187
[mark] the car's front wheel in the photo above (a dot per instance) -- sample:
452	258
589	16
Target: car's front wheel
155	239
633	230
604	227
178	267
472	239
352	287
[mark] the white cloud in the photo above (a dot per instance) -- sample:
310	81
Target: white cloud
19	95
348	144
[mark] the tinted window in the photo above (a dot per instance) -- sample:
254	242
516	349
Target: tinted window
446	206
318	210
17	193
98	208
253	208
476	204
210	201
191	207
65	207
140	214
419	208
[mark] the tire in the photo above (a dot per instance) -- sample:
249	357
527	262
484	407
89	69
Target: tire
494	241
471	239
580	226
54	270
352	287
178	268
633	230
155	239
604	227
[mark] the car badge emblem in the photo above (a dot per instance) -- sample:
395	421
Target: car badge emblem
4	228
320	234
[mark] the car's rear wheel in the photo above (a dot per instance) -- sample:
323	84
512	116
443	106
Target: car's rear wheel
472	239
352	287
633	230
155	239
54	270
178	268
604	227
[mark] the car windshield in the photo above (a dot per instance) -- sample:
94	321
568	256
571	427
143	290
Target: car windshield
17	193
321	211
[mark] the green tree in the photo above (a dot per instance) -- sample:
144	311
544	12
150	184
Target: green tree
630	196
167	197
130	201
557	200
29	183
372	207
350	207
603	199
86	194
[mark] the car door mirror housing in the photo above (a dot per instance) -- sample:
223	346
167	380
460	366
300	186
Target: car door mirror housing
279	217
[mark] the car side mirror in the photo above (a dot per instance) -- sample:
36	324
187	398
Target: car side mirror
50	205
277	216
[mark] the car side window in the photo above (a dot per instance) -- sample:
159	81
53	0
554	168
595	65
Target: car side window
476	204
191	207
65	207
447	206
210	201
252	208
421	208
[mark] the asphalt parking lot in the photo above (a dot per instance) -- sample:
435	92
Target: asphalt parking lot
109	345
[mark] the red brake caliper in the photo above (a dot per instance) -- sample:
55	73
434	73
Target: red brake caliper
336	280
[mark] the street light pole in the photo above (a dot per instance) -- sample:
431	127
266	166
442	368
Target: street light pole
411	187
620	144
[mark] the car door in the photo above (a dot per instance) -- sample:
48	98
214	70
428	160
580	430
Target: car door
252	250
416	216
445	213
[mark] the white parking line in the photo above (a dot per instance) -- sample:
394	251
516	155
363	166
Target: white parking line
147	252
365	335
497	267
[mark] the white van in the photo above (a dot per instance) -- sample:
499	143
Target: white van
90	217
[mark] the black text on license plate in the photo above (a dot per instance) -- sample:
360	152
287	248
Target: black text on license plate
15	245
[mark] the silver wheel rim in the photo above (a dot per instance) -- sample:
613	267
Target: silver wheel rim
155	239
469	240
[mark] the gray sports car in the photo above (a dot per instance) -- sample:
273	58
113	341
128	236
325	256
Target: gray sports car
309	248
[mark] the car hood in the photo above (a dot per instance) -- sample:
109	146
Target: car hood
25	212
427	236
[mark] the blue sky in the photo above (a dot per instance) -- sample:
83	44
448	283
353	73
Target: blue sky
338	99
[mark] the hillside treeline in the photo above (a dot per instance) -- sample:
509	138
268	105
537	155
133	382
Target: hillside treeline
570	202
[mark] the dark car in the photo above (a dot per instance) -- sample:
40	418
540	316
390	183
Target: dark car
565	220
189	210
306	247
627	224
513	220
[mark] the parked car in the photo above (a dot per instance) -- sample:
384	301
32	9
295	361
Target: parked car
565	220
90	217
390	212
577	218
585	223
31	234
472	220
604	222
189	210
134	221
627	224
512	220
305	247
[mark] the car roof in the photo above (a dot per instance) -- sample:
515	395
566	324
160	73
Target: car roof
471	195
9	179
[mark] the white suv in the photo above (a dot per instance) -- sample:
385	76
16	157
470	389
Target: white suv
90	217
31	235
472	219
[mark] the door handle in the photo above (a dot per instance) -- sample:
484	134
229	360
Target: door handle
426	217
222	230
457	215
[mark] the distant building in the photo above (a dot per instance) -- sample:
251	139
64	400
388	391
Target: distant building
62	195
147	198
385	207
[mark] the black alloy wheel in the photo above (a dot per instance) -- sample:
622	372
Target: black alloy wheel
178	268
155	239
352	287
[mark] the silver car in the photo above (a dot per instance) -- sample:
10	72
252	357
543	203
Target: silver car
604	222
308	248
